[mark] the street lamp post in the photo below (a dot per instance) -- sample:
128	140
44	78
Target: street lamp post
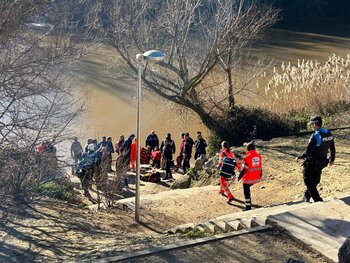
151	56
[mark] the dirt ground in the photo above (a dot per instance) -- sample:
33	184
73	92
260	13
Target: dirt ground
49	230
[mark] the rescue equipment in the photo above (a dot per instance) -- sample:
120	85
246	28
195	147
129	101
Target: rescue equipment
227	168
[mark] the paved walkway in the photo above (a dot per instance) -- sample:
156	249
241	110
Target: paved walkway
323	226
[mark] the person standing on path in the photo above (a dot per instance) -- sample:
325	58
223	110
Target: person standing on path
119	144
124	158
167	154
200	144
179	158
133	154
315	158
110	149
76	151
187	152
152	140
251	173
226	153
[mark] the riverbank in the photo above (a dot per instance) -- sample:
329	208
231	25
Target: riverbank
50	230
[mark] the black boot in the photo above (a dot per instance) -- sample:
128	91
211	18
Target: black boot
247	208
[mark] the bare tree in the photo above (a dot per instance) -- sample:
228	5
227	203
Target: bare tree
38	102
203	40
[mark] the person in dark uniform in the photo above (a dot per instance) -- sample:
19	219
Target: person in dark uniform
187	152
200	144
167	154
315	158
152	140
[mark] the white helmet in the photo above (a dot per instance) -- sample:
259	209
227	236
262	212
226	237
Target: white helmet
91	147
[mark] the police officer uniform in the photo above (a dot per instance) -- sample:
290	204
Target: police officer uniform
315	157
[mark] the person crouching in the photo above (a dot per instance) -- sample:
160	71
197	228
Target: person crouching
251	172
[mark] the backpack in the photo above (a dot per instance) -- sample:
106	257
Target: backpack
227	169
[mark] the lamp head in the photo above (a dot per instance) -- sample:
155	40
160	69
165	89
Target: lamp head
152	56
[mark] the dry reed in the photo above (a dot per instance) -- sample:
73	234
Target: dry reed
308	86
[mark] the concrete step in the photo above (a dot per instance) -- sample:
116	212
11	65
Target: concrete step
235	225
210	227
266	211
222	227
258	221
240	220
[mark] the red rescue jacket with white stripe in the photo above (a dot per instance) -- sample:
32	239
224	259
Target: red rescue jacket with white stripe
252	166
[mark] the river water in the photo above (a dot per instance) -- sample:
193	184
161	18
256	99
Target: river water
111	101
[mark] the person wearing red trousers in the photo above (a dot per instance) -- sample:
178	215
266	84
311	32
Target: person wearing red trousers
225	152
251	173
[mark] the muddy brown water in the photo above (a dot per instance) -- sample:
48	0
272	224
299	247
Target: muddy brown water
112	103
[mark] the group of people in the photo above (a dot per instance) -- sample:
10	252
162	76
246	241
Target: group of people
250	170
96	157
94	160
160	155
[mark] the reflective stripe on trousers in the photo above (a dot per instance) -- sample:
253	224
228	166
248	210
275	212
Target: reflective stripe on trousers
224	188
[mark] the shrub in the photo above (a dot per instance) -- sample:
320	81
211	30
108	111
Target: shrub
59	190
248	123
21	170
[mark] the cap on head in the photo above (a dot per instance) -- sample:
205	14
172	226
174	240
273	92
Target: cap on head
317	120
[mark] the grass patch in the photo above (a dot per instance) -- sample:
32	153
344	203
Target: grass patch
195	234
62	191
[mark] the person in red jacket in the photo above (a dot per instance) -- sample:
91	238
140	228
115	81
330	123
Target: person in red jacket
251	172
133	154
225	152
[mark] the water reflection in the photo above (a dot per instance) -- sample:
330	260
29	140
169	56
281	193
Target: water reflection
112	106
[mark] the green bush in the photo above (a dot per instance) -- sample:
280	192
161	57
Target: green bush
57	190
247	123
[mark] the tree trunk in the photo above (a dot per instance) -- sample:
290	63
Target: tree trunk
215	125
231	98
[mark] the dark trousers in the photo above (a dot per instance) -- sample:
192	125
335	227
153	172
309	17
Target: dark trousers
246	191
168	169
186	164
312	177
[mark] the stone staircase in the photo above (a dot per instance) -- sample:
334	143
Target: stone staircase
238	221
